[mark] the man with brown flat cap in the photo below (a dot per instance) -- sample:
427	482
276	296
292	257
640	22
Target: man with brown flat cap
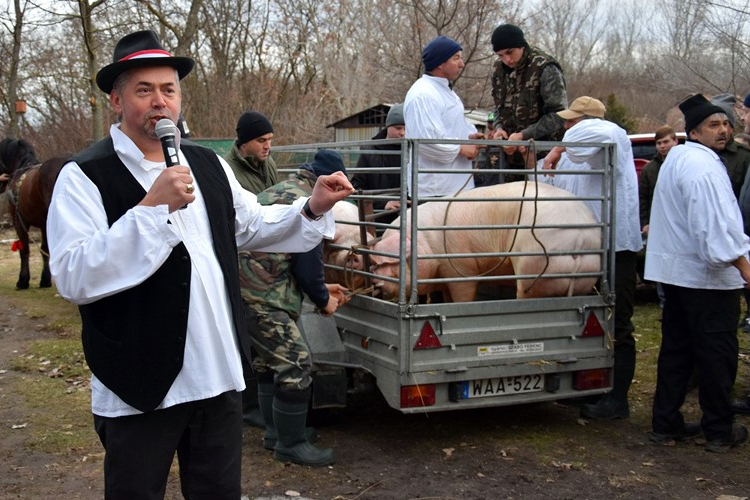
157	286
584	122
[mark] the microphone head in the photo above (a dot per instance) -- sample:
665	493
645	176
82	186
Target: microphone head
166	127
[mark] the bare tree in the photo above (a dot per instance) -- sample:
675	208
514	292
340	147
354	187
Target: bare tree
12	54
307	63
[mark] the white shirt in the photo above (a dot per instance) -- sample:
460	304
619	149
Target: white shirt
578	184
90	260
627	223
695	230
432	110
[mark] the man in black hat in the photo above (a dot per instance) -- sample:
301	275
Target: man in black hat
528	89
698	250
157	286
250	156
251	162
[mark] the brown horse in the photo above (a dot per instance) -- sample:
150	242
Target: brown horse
29	192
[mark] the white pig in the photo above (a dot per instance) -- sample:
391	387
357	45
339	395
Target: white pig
471	213
347	235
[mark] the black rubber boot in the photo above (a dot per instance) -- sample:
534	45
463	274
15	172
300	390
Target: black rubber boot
615	404
292	445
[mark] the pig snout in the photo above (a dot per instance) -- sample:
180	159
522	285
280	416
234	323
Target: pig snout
385	268
348	261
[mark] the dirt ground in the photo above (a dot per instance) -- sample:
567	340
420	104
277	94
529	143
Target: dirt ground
530	452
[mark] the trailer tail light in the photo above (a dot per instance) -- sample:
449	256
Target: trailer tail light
414	396
592	328
427	338
591	379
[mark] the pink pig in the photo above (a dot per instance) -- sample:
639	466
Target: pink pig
471	213
347	235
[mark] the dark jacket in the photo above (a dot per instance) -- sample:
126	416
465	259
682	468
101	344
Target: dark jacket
646	187
252	174
134	341
736	158
376	160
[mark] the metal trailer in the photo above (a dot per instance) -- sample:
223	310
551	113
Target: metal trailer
494	351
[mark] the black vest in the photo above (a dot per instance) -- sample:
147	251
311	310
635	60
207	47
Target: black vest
134	341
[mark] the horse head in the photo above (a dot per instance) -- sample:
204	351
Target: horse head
15	154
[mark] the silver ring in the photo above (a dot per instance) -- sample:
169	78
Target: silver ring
190	188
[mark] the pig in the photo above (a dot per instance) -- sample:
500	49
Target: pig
497	240
348	236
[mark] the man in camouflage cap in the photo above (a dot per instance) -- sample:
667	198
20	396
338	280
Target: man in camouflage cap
272	291
528	89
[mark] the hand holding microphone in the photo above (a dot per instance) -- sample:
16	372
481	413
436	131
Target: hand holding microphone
174	187
169	135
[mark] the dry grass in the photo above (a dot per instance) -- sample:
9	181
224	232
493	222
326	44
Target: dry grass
54	376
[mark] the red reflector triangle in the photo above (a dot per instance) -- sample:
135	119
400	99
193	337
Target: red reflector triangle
593	328
427	339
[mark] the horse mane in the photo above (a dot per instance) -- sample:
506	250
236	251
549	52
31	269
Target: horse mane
15	154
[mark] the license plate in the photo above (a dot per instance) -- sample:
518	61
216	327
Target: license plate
502	386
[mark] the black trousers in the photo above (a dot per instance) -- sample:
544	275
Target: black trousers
626	277
699	329
207	436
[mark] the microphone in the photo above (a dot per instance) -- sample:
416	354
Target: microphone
169	135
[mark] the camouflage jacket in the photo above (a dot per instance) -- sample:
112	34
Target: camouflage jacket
278	280
528	97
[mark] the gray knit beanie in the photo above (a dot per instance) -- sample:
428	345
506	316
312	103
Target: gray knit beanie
395	116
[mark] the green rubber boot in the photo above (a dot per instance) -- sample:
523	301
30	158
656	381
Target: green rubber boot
292	445
265	401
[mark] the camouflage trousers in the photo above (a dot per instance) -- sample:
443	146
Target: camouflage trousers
278	347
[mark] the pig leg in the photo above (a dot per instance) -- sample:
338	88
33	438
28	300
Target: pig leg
460	292
557	287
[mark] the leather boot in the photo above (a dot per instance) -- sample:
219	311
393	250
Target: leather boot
289	417
615	404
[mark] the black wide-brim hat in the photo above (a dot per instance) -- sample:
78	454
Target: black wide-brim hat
137	50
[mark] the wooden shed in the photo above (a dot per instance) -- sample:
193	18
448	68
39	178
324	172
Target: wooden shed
363	125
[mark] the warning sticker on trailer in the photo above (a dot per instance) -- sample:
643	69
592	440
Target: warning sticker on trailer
500	350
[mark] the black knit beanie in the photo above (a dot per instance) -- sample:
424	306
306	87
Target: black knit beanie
327	161
252	125
507	36
696	109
